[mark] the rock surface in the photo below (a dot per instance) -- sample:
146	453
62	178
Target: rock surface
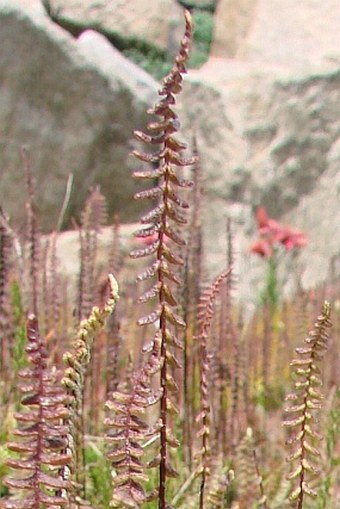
285	32
267	138
74	103
158	22
233	21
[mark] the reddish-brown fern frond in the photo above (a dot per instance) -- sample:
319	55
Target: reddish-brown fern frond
162	231
205	314
93	218
52	298
113	348
115	259
228	346
33	237
41	433
113	338
306	399
127	430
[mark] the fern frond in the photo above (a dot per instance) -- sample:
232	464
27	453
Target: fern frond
262	502
52	297
33	236
115	260
113	348
41	434
221	486
93	218
304	400
245	473
205	314
164	222
229	346
77	362
127	430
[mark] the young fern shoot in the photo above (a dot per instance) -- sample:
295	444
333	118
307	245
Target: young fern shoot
163	222
305	399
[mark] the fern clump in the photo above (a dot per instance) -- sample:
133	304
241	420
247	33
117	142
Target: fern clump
306	398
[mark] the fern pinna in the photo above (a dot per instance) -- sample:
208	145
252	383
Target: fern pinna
164	220
42	433
306	398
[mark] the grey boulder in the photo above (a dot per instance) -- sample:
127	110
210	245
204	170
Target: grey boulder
74	104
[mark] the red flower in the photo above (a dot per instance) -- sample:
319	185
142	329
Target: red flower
262	248
272	233
292	238
261	217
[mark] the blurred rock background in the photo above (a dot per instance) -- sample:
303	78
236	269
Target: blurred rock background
262	95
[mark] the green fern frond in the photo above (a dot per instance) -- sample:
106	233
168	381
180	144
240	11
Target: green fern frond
77	362
304	401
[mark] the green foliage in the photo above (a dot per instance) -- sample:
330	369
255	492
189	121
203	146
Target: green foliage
152	61
270	294
271	397
332	436
333	431
202	37
99	491
223	489
19	357
323	497
150	58
6	430
159	63
4	455
51	11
